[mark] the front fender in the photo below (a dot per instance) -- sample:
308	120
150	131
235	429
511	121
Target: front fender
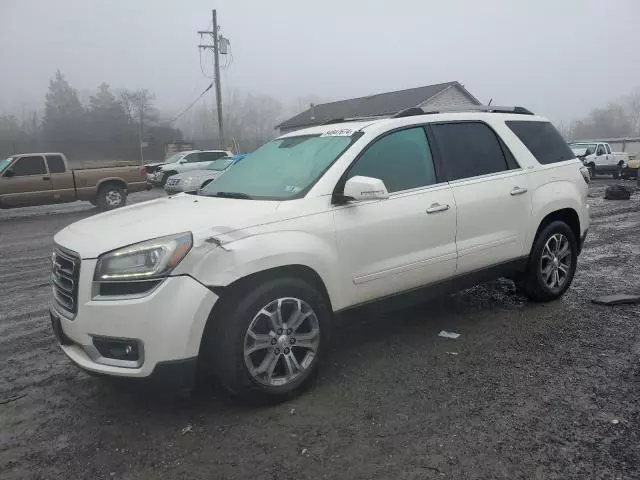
221	265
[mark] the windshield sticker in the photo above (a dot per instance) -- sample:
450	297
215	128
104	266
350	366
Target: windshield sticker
339	132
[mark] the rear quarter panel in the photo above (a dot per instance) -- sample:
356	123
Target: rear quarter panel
555	187
88	181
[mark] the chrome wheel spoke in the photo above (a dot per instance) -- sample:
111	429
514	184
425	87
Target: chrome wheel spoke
563	268
546	252
281	342
260	342
307	340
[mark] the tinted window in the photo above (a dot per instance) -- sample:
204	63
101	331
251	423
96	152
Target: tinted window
543	141
469	149
211	156
192	158
402	160
606	145
601	150
29	166
56	164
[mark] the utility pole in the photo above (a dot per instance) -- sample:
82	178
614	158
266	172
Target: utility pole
216	65
141	132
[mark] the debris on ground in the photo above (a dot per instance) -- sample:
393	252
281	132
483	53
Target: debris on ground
304	451
12	399
292	411
187	429
618	299
615	421
445	334
451	353
617	192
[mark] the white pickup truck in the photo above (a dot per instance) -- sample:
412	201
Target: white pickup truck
599	158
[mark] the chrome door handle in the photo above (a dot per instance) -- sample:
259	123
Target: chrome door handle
518	190
436	207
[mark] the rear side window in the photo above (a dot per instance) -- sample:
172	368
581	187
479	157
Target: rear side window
469	149
211	156
29	166
543	141
56	164
402	160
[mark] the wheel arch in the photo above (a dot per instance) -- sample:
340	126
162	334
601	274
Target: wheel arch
566	215
111	181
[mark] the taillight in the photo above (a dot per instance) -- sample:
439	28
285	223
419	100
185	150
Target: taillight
585	174
143	171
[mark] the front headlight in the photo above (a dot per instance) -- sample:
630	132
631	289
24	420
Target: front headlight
150	260
187	182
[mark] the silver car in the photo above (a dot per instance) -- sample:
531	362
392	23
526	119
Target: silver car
193	180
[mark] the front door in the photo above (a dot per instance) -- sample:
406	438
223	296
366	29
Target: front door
491	192
28	183
393	245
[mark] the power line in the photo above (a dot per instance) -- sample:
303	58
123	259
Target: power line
192	103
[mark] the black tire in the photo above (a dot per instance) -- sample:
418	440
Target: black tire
618	172
223	345
111	196
533	284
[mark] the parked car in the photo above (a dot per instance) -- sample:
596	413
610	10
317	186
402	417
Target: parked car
42	178
185	161
244	280
194	180
599	158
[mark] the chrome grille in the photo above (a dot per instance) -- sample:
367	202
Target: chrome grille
65	273
173	181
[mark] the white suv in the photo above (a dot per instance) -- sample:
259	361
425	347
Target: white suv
244	281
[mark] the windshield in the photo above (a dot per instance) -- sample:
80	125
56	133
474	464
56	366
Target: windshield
5	163
219	165
583	148
174	158
281	169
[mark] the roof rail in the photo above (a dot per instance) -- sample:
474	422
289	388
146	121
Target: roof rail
483	108
410	112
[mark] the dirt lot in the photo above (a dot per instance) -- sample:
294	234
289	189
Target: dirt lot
527	391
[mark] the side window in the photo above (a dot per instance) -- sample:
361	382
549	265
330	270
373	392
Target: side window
543	141
469	149
606	145
29	166
402	160
56	164
192	158
211	156
601	150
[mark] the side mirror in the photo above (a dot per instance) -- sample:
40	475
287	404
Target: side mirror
8	174
365	188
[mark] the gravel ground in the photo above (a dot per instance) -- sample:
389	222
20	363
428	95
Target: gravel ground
526	391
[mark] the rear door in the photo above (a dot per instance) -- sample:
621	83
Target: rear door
63	189
490	190
407	240
29	183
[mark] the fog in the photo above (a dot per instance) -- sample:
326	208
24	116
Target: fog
558	58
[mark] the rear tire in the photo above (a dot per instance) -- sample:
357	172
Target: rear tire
552	263
252	351
111	196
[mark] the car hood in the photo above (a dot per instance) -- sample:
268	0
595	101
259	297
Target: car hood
197	174
203	216
155	164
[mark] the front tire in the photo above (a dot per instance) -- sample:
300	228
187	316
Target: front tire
111	196
268	338
552	263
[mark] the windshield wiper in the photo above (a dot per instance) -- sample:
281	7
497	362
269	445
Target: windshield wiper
240	195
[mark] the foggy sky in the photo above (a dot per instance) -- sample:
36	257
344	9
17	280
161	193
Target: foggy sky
559	58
